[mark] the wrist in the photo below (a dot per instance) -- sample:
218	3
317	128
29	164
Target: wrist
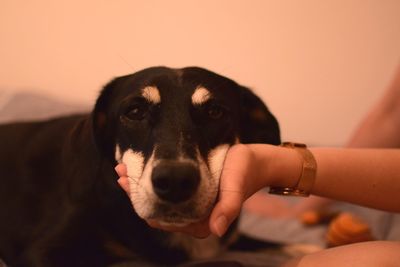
306	180
284	168
274	166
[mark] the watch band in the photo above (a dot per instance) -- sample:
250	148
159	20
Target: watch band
307	177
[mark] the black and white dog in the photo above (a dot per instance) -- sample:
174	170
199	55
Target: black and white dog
60	204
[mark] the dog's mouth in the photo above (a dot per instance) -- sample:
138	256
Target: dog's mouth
178	215
175	220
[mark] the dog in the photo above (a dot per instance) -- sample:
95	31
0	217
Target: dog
59	200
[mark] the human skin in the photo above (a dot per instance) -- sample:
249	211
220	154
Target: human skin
368	177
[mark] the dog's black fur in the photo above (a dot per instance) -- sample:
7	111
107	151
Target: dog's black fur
60	204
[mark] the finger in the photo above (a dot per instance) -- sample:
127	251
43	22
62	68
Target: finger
225	212
124	183
233	189
121	169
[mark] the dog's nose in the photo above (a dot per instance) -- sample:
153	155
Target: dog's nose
175	181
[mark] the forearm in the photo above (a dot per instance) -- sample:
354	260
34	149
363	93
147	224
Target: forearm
368	177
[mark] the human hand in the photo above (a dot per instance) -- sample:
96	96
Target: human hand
238	182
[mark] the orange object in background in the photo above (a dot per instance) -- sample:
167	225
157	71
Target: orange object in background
346	229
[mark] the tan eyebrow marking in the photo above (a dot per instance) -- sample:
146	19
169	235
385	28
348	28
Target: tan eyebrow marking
200	95
152	94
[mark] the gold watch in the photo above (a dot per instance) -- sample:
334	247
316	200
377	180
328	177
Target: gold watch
307	177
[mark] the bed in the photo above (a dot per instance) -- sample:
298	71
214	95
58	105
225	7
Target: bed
298	238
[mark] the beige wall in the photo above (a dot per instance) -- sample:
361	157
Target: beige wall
318	64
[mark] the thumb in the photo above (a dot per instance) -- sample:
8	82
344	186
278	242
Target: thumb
233	189
225	211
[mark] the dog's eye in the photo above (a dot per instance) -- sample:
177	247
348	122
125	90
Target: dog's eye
215	112
137	111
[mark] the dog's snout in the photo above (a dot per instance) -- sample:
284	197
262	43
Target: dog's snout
175	181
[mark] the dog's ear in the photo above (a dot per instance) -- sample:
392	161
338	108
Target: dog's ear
103	122
257	124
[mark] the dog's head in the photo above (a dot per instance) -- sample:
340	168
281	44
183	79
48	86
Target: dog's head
172	129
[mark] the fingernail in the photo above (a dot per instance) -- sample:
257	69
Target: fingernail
116	168
221	223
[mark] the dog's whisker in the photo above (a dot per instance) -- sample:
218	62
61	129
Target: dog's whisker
126	61
134	180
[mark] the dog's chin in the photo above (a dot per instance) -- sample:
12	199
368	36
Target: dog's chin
177	219
167	216
151	208
178	223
